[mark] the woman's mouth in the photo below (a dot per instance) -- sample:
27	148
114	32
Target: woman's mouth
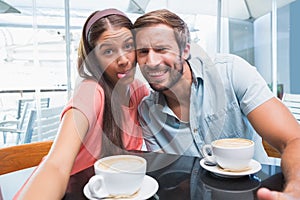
123	74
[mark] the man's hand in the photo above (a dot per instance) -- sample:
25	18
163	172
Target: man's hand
266	194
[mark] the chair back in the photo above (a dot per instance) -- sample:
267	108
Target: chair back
22	156
44	125
44	102
18	126
271	151
24	121
292	101
25	115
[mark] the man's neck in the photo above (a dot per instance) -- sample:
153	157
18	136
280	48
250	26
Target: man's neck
178	96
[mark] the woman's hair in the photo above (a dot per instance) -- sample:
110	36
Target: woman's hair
163	16
89	68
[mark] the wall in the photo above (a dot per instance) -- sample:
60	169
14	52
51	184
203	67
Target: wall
295	47
263	47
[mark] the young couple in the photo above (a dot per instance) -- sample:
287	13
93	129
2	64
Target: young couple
194	100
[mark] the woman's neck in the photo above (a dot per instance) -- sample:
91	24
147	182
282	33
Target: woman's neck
123	94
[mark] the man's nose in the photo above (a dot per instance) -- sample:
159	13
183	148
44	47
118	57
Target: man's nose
153	58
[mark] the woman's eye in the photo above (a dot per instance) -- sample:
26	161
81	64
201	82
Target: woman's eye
129	46
108	52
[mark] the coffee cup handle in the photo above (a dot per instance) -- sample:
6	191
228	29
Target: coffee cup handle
97	187
206	149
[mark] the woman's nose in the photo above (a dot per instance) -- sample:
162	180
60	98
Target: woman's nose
122	60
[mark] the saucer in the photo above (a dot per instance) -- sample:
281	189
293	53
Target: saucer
238	185
254	167
148	189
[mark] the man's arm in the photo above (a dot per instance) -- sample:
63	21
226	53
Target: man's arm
275	123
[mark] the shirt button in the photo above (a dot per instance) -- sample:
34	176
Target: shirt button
195	130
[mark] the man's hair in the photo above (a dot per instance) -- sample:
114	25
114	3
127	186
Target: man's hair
168	18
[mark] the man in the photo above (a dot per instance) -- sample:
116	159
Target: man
197	100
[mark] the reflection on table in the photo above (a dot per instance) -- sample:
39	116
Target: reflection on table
182	177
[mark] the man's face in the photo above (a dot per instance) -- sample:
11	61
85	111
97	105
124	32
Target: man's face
158	56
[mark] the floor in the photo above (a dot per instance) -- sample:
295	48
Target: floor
10	183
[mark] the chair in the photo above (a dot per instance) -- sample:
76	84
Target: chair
22	156
17	126
17	121
292	101
45	126
271	151
44	102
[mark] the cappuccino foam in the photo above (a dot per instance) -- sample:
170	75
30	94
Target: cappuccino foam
233	142
120	164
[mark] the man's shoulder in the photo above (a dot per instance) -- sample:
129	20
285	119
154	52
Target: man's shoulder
152	98
148	102
218	60
229	59
224	57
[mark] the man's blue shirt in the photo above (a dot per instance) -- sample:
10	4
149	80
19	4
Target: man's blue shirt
223	93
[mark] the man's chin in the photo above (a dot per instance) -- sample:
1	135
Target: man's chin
158	87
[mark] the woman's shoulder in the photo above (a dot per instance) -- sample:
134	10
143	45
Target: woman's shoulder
138	90
88	84
140	87
88	92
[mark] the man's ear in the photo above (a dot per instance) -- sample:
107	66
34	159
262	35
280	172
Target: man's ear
186	51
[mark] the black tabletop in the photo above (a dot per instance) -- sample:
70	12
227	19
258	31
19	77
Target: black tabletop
182	177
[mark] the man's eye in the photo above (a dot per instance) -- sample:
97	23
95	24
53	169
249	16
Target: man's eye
160	49
142	51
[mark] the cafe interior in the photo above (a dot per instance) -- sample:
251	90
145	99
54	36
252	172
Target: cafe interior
39	42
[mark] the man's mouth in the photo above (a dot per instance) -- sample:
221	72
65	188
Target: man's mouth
157	73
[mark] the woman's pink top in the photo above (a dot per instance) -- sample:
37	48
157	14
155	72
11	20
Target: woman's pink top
89	99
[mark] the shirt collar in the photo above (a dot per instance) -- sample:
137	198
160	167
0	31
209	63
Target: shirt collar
199	62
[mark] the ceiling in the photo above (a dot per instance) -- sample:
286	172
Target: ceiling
238	9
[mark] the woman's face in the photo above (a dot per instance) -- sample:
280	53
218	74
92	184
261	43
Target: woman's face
116	54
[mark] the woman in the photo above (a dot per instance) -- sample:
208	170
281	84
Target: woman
93	121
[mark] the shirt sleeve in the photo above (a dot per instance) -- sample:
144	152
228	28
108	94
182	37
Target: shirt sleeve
250	87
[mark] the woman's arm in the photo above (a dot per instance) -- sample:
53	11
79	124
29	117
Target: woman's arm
51	178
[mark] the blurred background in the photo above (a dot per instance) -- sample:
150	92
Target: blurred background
39	40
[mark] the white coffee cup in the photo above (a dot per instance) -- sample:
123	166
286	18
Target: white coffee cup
232	154
117	176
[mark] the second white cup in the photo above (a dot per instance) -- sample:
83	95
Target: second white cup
232	154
